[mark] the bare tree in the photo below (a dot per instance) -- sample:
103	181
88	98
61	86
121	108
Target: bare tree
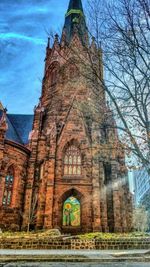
122	31
145	202
119	41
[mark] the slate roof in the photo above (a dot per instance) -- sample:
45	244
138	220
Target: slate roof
19	127
1	113
75	17
75	4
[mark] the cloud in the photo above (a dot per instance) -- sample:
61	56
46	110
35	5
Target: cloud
23	37
12	35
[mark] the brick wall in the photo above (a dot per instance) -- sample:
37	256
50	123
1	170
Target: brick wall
17	156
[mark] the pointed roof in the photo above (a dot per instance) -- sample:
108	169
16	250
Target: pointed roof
75	20
75	4
19	126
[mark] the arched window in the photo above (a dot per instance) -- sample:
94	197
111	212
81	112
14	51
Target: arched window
72	161
9	179
53	76
71	212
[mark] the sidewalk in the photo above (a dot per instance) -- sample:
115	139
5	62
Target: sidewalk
74	255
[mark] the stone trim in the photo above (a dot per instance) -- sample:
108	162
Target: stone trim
21	147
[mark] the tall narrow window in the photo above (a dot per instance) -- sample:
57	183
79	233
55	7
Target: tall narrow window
107	173
9	179
54	77
104	133
72	161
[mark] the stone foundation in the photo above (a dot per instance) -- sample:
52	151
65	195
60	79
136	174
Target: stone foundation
75	244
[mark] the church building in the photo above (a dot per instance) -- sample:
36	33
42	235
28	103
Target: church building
64	166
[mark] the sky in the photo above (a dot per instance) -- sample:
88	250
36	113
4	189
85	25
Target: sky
24	27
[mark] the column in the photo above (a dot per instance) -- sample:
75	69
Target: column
116	198
103	205
48	217
96	196
48	221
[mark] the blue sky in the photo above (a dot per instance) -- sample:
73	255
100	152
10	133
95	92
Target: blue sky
23	36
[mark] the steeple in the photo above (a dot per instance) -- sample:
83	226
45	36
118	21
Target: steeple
75	5
75	21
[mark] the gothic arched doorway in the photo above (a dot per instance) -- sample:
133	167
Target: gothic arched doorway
71	212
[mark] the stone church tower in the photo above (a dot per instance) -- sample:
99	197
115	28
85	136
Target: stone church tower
76	178
64	162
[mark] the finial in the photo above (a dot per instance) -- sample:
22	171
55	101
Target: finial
48	42
5	110
93	39
93	44
63	38
56	37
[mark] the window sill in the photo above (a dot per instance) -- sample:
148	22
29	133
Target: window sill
72	177
71	227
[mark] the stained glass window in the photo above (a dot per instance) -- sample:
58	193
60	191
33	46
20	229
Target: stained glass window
9	179
72	161
71	212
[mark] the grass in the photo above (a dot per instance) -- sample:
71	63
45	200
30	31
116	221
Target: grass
109	236
88	236
38	234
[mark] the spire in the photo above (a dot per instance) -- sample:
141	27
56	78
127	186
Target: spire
75	21
75	5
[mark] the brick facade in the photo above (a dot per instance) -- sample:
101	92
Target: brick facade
40	186
17	156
